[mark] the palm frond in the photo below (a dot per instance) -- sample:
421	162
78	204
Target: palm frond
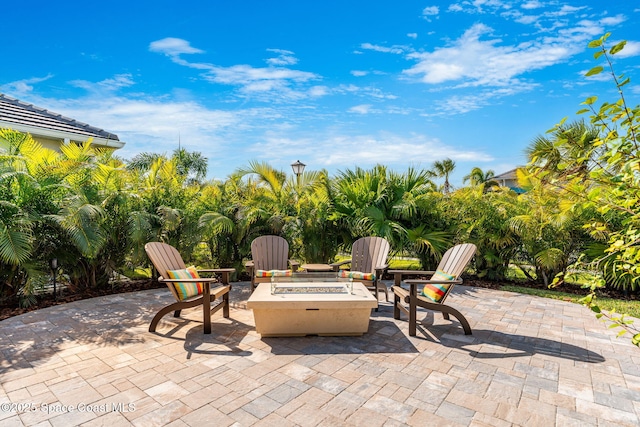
15	245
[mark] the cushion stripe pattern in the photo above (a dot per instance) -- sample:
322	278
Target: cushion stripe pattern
359	275
183	289
436	292
274	273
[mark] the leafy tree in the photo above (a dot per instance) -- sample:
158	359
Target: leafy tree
603	175
551	235
482	219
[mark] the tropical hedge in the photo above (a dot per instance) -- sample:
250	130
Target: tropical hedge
94	211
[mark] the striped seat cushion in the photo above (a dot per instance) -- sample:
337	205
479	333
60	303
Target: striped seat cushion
359	275
186	290
436	292
274	273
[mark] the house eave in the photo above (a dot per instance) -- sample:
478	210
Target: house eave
71	136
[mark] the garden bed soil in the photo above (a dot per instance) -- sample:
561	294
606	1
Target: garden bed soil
144	284
64	296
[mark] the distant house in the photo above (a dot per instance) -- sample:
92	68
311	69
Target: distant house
51	129
509	179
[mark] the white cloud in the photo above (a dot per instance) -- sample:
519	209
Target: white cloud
359	73
566	10
151	123
477	59
390	149
367	91
171	46
527	19
285	57
118	81
479	6
246	74
24	86
280	82
361	109
613	20
394	49
533	4
460	104
363	151
317	91
412	35
430	11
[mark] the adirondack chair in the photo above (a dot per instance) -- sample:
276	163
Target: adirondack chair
268	254
368	263
186	286
435	290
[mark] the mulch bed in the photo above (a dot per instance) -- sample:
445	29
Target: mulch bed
64	296
141	285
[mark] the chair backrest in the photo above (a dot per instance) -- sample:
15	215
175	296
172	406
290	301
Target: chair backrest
456	259
165	257
270	253
368	253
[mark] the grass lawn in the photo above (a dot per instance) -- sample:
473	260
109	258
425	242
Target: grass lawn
628	307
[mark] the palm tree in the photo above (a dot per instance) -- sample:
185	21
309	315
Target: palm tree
443	169
190	165
571	150
550	231
484	180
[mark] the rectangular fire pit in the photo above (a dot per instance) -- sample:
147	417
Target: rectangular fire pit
325	309
325	289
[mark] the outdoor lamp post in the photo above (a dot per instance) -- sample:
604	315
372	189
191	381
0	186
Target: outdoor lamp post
298	168
54	268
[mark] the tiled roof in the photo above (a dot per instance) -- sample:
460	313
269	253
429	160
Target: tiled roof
23	114
507	175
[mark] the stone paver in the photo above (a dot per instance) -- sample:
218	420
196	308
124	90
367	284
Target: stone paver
530	361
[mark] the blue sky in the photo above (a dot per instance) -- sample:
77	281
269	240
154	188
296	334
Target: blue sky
335	84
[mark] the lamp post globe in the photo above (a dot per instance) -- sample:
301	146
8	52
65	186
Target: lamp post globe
298	168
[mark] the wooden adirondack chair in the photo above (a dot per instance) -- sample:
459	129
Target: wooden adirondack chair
269	253
166	259
435	290
369	257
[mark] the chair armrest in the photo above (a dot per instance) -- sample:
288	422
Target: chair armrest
411	272
398	275
336	265
249	265
223	272
294	264
199	280
380	271
217	270
432	282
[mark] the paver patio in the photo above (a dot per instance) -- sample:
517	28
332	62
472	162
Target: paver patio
530	361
